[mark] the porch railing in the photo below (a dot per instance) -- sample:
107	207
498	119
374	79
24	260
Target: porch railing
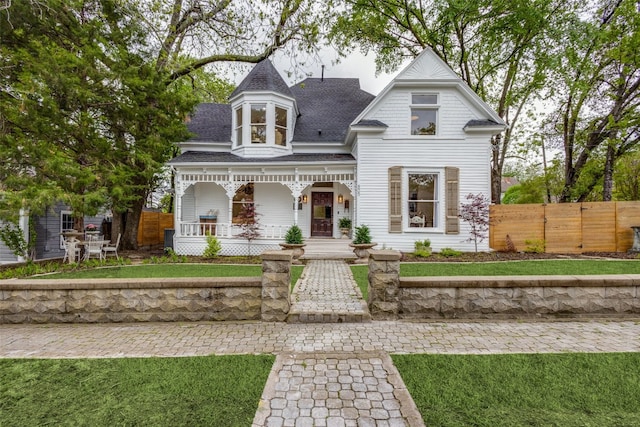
226	230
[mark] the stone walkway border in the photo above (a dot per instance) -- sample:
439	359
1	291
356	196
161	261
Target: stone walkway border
336	389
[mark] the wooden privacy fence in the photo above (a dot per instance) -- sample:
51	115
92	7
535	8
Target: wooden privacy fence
151	228
566	227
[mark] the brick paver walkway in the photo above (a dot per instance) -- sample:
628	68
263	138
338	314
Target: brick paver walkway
203	338
327	293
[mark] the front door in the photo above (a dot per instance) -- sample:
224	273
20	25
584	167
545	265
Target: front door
322	219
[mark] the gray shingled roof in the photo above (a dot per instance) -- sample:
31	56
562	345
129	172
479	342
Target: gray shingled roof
211	122
327	107
263	77
209	157
371	123
480	123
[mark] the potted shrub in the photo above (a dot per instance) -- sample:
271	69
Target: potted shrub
294	241
362	243
344	224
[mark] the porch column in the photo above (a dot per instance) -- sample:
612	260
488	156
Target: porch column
295	209
230	189
178	193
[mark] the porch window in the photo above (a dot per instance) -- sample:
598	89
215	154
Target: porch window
241	201
239	126
258	123
424	114
422	200
281	126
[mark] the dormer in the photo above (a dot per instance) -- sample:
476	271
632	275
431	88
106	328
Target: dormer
263	114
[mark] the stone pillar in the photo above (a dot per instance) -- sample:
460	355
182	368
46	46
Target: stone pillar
384	280
276	285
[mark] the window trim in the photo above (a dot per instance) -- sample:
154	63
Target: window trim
439	201
432	107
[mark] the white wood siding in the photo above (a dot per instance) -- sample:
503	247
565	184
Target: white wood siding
275	203
188	208
210	196
375	156
453	114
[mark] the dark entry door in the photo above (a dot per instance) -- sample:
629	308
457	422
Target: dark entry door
322	217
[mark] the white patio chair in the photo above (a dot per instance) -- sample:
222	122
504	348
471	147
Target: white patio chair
112	248
93	247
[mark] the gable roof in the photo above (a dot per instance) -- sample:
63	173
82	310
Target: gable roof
327	107
429	67
263	77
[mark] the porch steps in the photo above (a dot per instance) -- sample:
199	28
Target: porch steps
327	249
327	293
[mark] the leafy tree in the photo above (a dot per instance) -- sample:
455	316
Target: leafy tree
598	95
502	50
475	212
92	92
88	119
249	224
627	177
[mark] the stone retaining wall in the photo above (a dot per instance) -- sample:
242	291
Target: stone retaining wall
145	300
393	297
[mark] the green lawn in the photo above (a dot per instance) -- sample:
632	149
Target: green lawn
172	270
190	391
520	268
164	270
504	268
524	390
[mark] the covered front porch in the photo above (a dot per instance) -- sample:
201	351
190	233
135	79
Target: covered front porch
213	200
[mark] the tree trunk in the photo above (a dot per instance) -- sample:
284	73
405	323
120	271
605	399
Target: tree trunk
116	226
607	185
132	219
496	171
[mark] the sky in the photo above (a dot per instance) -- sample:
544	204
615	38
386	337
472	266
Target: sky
355	65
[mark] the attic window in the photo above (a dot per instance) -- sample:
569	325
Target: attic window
424	114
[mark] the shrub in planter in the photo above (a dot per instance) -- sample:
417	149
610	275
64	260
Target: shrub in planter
294	236
362	236
344	222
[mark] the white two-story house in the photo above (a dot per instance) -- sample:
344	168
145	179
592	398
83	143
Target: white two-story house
400	162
